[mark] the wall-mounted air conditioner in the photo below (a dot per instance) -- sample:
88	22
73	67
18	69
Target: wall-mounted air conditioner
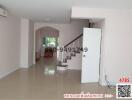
3	12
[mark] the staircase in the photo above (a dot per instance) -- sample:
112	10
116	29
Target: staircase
71	55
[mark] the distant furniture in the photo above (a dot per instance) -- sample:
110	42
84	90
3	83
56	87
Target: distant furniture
38	56
48	52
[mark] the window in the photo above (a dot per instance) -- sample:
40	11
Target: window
50	41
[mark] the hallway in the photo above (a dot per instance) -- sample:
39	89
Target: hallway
37	84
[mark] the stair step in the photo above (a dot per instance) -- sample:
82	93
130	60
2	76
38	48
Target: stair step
73	54
64	63
77	51
62	67
65	60
68	57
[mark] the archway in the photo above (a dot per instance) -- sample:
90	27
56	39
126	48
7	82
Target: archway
43	34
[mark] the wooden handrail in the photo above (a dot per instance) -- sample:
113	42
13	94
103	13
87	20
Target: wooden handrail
73	40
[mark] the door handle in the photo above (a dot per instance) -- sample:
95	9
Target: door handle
84	55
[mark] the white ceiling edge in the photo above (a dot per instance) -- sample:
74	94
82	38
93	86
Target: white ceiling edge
58	11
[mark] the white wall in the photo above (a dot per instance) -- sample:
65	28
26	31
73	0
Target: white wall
116	58
31	43
27	43
24	42
101	24
76	62
9	45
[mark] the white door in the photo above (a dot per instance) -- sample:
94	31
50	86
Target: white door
90	59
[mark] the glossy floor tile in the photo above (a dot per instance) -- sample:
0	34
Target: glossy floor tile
43	82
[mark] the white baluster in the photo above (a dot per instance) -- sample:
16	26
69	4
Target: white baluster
78	42
62	54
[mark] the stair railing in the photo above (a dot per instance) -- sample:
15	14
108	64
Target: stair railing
68	48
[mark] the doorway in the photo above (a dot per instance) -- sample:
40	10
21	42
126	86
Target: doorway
49	45
46	42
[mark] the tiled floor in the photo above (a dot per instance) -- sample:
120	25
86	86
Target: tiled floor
43	82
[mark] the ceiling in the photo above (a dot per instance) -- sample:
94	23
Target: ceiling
57	11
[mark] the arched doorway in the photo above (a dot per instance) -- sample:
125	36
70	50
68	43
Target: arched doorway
46	40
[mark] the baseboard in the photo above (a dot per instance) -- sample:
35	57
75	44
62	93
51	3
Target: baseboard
2	75
110	83
74	69
27	66
103	83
